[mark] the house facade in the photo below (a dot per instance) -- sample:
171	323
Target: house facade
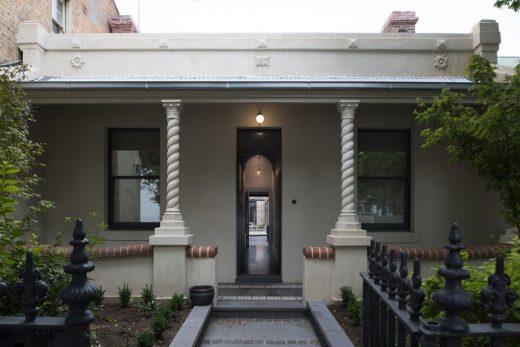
158	133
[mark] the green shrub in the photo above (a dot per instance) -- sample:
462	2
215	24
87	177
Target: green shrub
176	302
125	295
145	339
148	297
477	281
355	312
159	325
166	312
347	296
100	297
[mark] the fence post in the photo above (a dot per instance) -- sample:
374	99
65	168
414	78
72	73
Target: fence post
32	290
79	293
403	289
3	290
452	298
496	298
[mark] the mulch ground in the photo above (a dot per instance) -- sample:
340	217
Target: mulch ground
115	326
355	333
119	327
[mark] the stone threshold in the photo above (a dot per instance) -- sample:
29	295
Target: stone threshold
260	298
275	286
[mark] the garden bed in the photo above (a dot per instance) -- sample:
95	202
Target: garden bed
354	333
115	326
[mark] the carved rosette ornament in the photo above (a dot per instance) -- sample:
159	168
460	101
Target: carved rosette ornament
262	60
441	62
173	110
347	110
77	62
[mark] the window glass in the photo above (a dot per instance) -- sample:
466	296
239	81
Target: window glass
58	14
134	178
136	200
383	179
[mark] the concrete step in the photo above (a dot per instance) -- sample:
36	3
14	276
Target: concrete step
262	292
259	305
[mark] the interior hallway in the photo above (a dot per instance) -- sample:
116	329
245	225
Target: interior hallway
258	257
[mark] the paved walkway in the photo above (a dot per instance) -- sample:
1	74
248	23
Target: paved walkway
259	315
233	332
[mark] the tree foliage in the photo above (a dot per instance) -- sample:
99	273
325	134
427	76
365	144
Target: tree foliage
478	280
486	135
511	4
16	147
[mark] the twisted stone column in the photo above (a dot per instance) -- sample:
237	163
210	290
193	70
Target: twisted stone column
171	238
173	110
348	165
172	229
348	221
348	239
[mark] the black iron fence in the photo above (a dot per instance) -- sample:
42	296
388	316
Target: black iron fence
392	302
31	330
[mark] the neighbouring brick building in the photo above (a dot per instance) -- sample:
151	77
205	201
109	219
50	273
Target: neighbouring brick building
59	16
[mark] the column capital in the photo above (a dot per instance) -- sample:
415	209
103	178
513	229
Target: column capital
347	108
172	107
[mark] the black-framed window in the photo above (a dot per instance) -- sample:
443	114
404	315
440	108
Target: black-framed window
383	186
133	178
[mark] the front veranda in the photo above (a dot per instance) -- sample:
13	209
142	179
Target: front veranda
317	184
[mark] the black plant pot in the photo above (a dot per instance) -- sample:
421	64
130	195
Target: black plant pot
202	295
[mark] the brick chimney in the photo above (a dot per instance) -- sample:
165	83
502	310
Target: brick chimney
122	24
400	22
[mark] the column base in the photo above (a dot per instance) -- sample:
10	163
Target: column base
350	245
172	231
169	270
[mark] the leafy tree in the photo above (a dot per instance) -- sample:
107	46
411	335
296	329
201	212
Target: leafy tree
486	135
511	4
16	147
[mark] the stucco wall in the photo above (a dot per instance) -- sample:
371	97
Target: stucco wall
76	174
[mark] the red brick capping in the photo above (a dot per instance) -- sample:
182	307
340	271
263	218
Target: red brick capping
474	252
121	251
318	252
201	251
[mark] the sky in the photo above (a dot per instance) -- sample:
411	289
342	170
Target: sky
260	16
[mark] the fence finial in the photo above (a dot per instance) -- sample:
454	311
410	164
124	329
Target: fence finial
383	274
3	290
417	294
393	276
79	293
371	259
31	291
499	295
403	286
452	298
377	266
